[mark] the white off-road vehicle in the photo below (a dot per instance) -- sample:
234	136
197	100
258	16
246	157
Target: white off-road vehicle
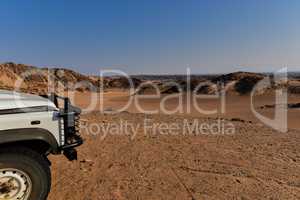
31	128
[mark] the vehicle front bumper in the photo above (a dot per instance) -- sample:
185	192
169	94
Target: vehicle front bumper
70	116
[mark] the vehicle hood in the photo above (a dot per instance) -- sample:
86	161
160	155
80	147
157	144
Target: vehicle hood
13	100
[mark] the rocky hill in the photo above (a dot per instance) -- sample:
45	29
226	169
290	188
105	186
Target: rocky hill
40	80
236	76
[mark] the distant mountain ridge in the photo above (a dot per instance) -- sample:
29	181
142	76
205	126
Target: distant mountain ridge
39	80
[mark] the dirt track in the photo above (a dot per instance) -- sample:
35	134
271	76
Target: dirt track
254	163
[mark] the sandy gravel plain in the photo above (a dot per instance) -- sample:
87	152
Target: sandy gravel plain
255	162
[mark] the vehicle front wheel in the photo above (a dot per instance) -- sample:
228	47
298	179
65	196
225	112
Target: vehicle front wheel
24	175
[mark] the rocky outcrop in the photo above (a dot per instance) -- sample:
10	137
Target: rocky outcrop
38	80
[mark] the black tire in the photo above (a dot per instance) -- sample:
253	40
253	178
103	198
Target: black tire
33	164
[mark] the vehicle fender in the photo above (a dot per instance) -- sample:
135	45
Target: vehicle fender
29	134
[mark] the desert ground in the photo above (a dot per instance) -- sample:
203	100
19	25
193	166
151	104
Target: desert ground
256	162
234	156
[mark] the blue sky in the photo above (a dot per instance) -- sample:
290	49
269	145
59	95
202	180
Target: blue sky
158	36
